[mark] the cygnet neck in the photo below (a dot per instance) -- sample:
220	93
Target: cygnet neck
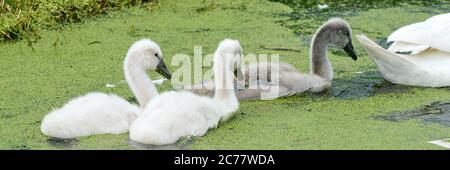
139	82
224	83
320	64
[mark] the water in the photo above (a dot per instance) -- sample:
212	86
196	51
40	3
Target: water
307	16
436	112
182	144
62	143
364	85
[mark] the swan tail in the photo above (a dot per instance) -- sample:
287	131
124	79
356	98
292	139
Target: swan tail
382	55
394	67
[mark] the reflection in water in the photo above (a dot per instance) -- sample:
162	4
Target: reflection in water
436	112
62	143
183	144
364	85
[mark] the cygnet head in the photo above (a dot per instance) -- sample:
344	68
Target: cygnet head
338	33
229	53
148	54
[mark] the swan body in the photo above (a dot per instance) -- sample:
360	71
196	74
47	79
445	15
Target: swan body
172	115
418	56
100	113
93	113
433	33
291	82
335	32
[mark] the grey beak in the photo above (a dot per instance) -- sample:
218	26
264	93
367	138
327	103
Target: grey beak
162	69
350	50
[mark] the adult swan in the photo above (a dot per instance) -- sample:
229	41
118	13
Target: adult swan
419	54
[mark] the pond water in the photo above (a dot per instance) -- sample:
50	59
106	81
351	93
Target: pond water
364	84
312	13
307	16
62	143
343	118
182	144
436	112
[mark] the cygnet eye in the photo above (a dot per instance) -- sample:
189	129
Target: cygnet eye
156	55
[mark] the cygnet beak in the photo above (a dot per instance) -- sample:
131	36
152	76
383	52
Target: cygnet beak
350	50
162	69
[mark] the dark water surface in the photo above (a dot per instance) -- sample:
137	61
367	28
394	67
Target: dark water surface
311	16
364	85
436	112
62	143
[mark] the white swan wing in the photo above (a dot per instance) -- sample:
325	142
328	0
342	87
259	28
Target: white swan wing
94	113
173	115
432	33
407	48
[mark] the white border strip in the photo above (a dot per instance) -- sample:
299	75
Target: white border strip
444	143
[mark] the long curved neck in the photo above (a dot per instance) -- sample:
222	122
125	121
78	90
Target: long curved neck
224	91
320	64
139	82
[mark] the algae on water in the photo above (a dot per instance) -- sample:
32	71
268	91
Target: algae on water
85	56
